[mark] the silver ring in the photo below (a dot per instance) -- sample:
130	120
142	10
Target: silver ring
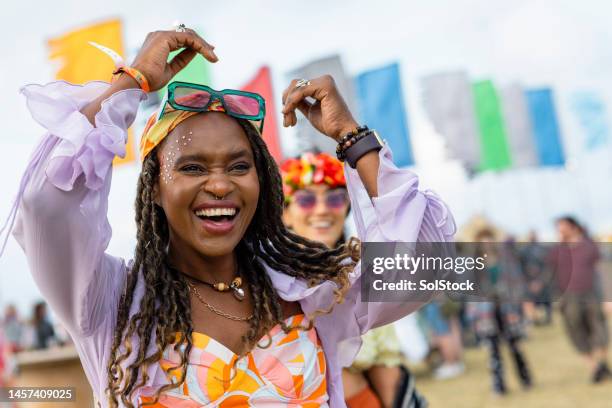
180	28
302	83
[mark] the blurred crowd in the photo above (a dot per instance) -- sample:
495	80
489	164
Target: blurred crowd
23	334
527	282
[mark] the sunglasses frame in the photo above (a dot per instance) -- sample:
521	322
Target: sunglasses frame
345	193
214	95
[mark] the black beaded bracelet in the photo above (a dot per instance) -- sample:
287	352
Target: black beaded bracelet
350	139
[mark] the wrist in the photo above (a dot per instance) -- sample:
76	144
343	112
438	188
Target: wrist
124	81
346	128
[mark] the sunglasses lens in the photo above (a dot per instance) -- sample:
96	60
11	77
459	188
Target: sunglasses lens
242	104
305	200
191	98
336	199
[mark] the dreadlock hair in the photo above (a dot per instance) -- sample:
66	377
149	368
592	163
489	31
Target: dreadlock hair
163	314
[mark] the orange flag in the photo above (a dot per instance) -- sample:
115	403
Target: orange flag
262	84
81	62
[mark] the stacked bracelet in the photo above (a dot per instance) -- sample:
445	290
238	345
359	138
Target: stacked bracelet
349	139
356	144
143	83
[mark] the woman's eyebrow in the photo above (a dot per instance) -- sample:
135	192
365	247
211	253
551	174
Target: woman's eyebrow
197	157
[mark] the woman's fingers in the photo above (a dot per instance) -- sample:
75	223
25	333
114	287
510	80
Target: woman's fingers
317	89
304	107
190	39
295	98
181	60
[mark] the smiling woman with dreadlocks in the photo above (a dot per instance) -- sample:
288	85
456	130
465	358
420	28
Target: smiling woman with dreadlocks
222	305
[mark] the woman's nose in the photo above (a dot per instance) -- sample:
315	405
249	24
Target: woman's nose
320	206
219	185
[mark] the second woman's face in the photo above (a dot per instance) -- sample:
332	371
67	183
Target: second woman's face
208	185
318	213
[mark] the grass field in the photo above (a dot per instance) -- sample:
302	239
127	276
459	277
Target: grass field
561	378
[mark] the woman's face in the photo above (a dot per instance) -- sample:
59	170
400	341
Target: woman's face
207	157
318	213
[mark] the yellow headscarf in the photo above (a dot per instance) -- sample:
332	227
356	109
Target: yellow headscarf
156	130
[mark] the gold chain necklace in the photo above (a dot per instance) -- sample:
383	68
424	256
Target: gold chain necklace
214	309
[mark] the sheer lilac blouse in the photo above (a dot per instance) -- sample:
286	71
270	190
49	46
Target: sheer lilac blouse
62	226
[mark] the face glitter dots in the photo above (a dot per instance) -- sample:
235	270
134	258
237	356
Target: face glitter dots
169	158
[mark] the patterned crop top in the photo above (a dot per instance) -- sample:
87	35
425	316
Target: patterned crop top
290	372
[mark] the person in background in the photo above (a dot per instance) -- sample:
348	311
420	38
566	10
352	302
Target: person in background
534	268
499	319
12	328
43	329
316	207
574	263
445	336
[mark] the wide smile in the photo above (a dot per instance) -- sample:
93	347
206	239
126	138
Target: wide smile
217	220
321	225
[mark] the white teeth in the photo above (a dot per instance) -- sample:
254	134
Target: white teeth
214	212
321	224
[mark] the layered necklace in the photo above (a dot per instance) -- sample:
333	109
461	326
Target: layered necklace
235	286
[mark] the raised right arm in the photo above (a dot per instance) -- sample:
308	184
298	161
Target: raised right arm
62	203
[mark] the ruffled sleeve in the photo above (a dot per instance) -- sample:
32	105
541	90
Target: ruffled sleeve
400	213
62	203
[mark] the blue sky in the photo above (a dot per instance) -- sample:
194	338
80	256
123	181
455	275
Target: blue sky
564	44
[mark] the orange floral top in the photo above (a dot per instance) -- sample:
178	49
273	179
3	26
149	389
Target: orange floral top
290	372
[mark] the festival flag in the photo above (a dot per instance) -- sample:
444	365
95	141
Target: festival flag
518	126
494	145
197	71
545	127
262	84
449	103
80	62
382	108
591	114
308	137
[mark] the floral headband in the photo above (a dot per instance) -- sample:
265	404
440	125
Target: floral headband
308	169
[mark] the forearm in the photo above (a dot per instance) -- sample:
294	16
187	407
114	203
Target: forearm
367	168
122	83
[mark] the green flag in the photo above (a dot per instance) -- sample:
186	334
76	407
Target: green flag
495	154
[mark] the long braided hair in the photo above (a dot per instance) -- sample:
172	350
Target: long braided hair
165	310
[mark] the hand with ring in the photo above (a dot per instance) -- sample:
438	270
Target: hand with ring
152	59
329	113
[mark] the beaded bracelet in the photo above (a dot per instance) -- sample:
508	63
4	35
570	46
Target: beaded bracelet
143	83
343	146
350	136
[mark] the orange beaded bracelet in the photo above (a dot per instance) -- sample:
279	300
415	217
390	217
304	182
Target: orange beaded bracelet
136	74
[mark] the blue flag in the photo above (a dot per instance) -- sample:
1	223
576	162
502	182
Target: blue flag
545	127
591	113
381	105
